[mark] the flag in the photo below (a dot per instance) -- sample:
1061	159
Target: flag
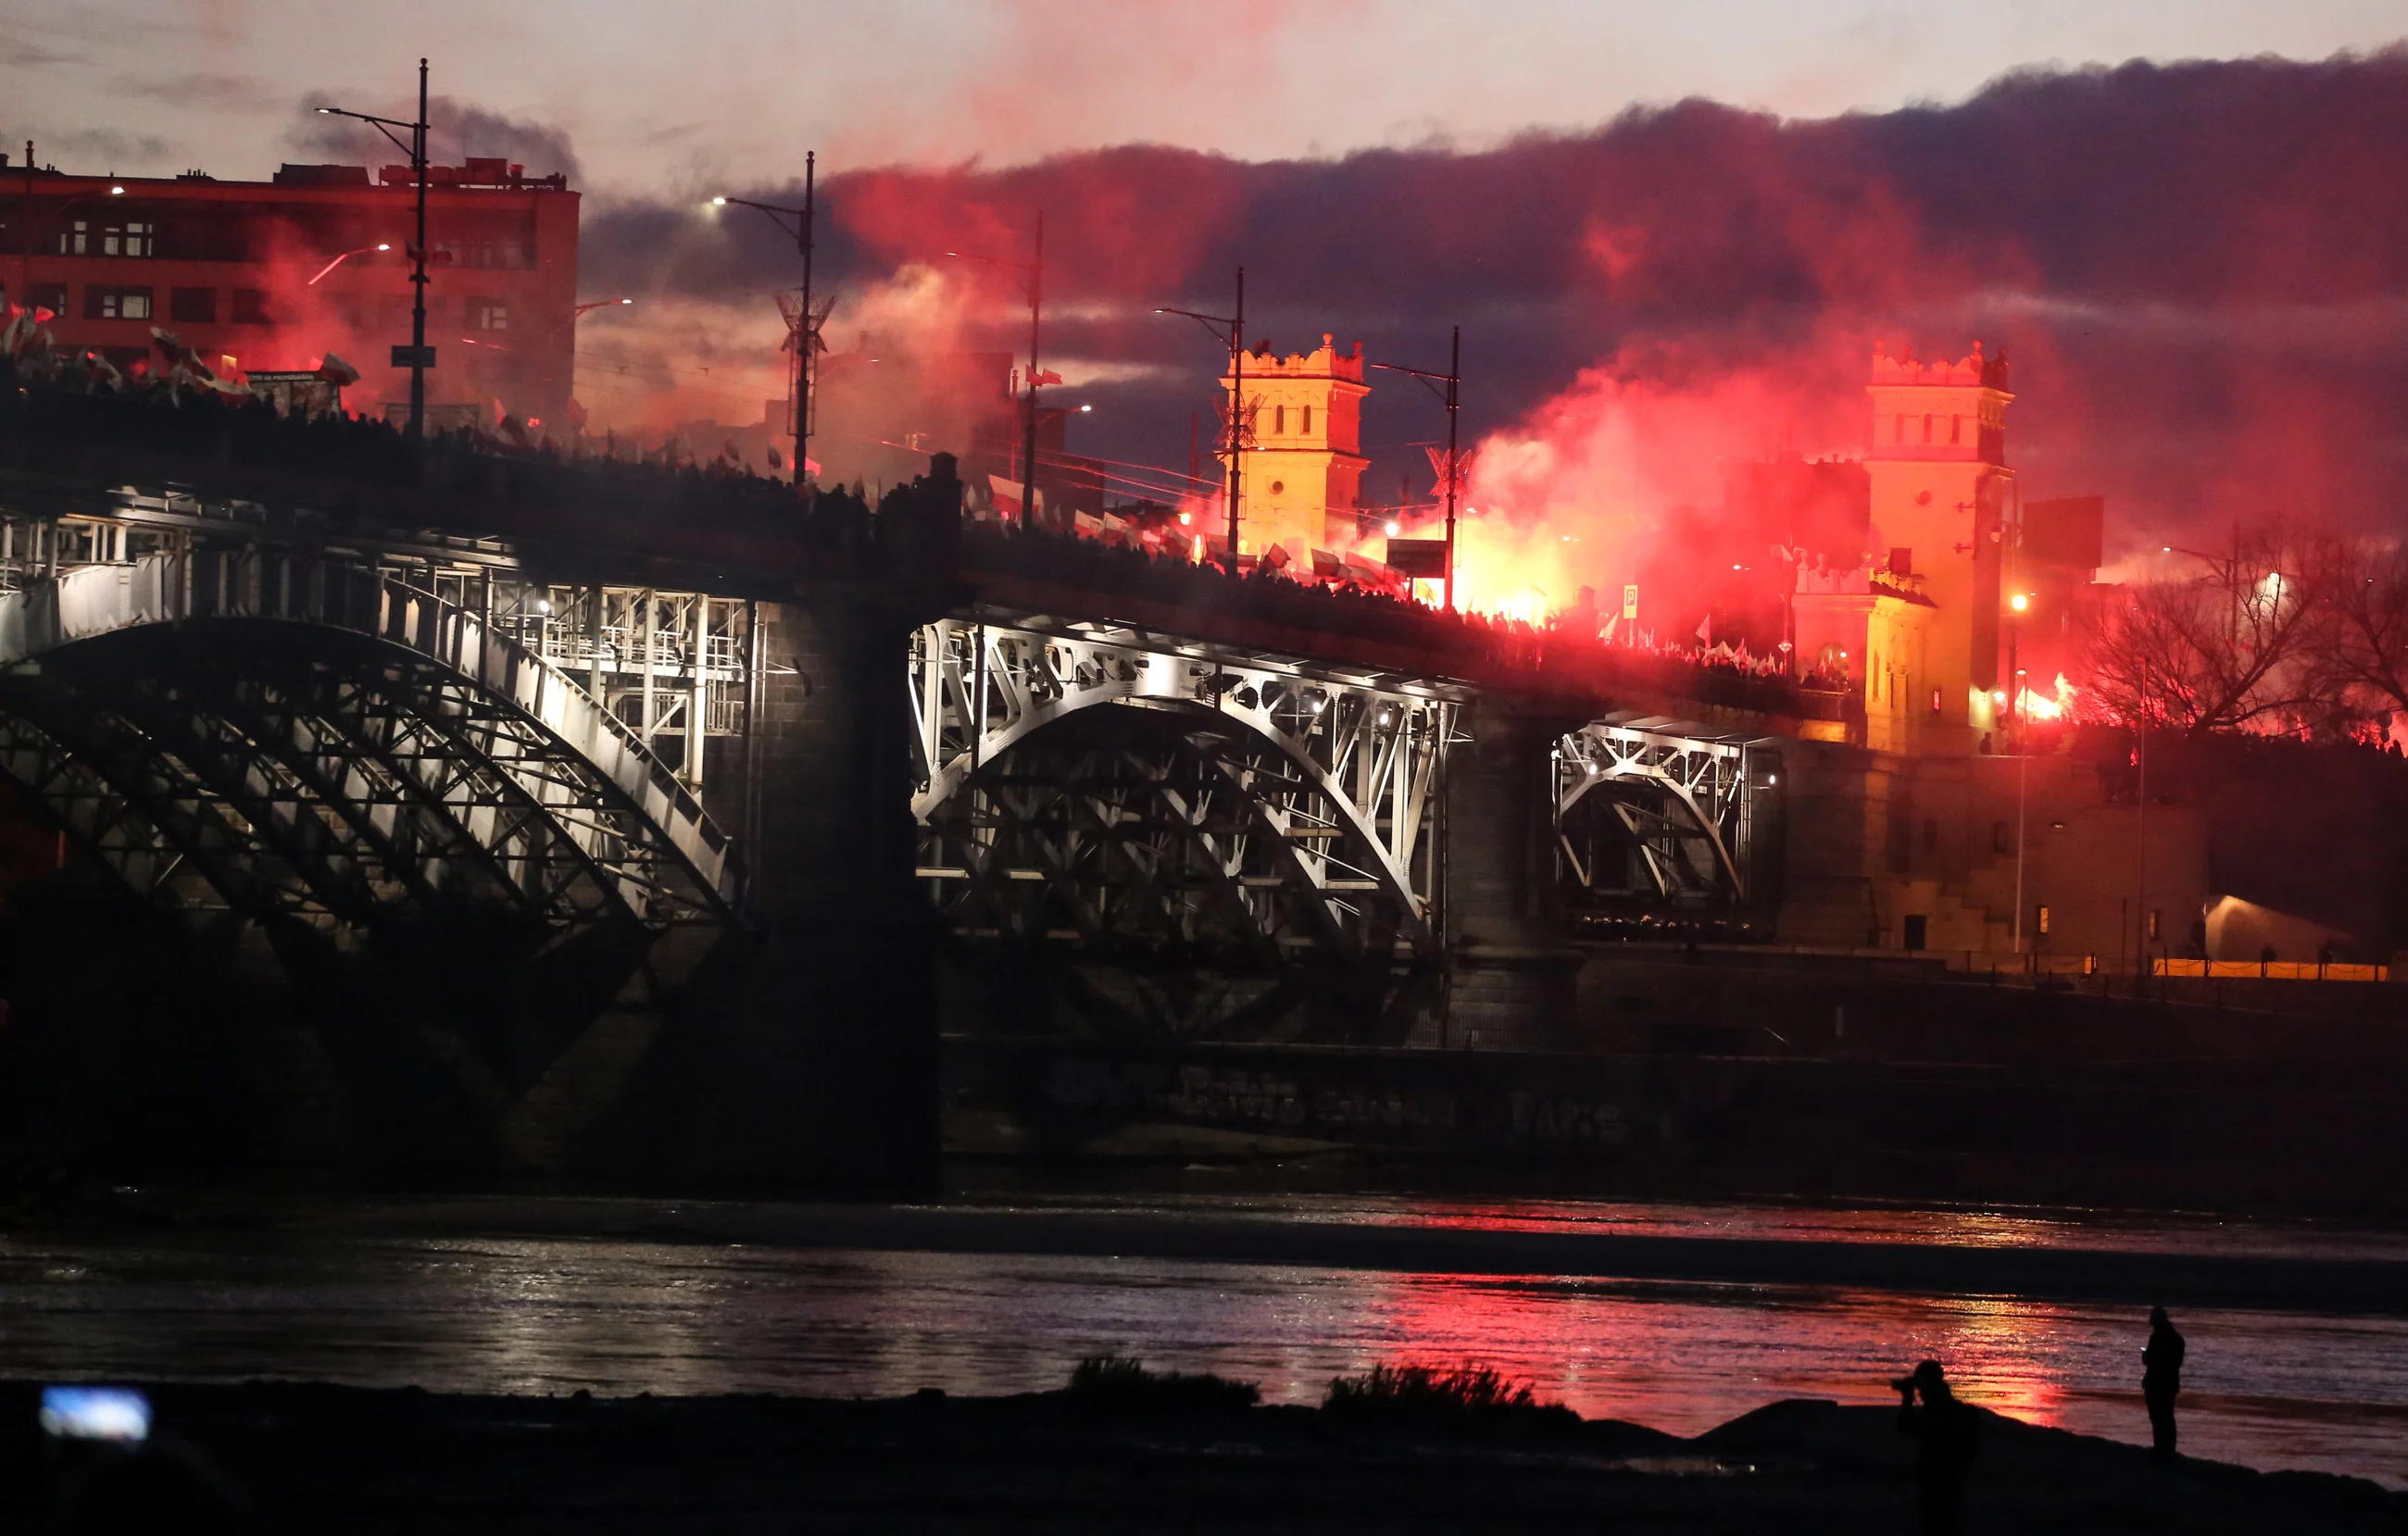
1045	375
1706	631
1607	634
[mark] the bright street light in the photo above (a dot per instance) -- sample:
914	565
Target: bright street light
2019	601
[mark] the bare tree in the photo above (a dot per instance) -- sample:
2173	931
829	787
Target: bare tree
2359	640
2225	649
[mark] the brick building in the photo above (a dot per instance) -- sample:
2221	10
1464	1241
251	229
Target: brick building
277	274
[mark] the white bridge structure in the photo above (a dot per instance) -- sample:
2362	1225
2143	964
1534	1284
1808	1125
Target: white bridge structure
1681	797
298	724
1094	781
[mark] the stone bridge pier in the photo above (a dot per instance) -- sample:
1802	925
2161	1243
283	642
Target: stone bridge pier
1511	975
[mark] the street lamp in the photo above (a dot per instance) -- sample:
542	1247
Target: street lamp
341	259
584	309
807	325
417	357
1236	324
1452	379
1030	280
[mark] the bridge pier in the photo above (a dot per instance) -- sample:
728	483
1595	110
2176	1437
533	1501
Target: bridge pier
1510	973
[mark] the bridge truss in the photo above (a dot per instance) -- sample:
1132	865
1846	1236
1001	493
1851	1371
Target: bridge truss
1235	802
258	717
1679	801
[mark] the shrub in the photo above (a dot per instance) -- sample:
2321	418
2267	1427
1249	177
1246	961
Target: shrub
1119	1384
1422	1391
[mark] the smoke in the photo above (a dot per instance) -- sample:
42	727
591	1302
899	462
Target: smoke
2199	270
456	130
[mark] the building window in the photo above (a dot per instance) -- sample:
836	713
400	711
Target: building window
1278	486
251	307
2153	922
134	237
1956	429
488	315
2001	839
1306	428
1926	428
117	303
1935	701
2043	924
1898	427
52	297
193	306
1901	560
75	238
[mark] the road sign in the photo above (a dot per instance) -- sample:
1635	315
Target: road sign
413	357
1630	600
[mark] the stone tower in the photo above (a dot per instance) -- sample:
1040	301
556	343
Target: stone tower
1939	484
1304	474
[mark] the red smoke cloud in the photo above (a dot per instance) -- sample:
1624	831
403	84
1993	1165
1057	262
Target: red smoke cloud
2200	273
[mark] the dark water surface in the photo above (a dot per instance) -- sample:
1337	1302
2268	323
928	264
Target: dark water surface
447	1300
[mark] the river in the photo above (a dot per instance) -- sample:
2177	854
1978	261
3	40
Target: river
542	1297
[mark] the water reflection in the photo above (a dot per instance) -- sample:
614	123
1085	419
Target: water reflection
554	1315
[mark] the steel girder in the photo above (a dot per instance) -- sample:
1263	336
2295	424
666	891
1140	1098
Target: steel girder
1292	808
1680	790
401	759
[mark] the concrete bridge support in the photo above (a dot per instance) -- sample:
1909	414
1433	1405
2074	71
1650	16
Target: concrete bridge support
1511	975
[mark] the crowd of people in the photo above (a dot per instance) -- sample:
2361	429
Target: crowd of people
66	423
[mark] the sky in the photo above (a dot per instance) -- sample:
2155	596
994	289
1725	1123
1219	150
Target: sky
659	99
1672	234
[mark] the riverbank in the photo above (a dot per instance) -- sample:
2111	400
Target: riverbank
316	1458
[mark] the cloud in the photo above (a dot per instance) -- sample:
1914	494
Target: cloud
114	149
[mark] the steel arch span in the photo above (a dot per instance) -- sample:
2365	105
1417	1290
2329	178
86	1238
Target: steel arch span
308	744
1683	796
1125	791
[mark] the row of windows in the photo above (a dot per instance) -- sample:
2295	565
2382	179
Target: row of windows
251	305
1279	420
1955	428
140	237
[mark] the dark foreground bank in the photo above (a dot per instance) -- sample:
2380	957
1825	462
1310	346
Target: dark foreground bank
310	1458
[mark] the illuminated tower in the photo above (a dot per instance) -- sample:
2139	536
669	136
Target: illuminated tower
1304	473
1939	481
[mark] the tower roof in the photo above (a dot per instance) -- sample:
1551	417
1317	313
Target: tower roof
1974	370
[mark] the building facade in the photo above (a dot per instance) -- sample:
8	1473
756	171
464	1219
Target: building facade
1946	821
1304	470
272	276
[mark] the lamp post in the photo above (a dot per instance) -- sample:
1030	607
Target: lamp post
584	309
346	256
806	330
420	356
1452	379
1030	280
1236	324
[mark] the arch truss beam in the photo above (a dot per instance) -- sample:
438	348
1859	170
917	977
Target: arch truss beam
1280	777
1682	792
370	768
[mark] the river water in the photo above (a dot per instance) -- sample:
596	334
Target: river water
390	1300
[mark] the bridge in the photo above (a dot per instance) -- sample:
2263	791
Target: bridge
641	833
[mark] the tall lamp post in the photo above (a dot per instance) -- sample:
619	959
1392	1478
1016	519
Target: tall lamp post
2016	605
1452	395
1236	324
1030	280
417	357
807	329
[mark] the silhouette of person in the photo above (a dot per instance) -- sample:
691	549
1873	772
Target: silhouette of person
2161	1364
1947	1436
